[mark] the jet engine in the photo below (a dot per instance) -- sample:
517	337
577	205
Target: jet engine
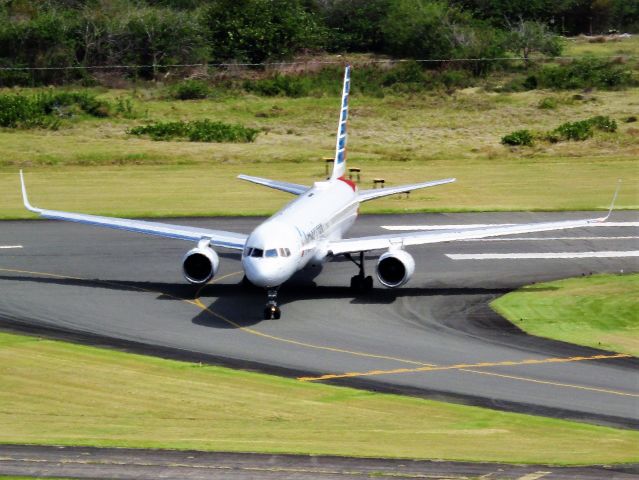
200	264
395	268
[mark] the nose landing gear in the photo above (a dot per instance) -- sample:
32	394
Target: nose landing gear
360	283
272	311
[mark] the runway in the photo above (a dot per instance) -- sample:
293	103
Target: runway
436	337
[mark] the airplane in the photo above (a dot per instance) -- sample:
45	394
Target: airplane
309	230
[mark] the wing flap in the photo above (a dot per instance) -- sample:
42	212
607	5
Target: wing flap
293	188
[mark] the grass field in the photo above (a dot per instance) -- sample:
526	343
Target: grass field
66	394
92	164
95	167
601	311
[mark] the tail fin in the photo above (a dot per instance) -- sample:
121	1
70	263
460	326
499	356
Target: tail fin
339	165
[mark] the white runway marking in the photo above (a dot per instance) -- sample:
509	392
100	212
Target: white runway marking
533	239
413	228
541	255
6	247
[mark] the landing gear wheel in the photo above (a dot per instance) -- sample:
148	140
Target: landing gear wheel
368	283
361	284
272	312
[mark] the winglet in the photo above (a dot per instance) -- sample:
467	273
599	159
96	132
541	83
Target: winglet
612	204
25	198
614	199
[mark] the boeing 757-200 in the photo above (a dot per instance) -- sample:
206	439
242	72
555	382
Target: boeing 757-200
309	230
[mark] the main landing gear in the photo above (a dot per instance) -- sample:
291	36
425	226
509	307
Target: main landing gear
360	282
272	311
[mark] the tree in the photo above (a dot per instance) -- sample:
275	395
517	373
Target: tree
259	30
528	37
355	24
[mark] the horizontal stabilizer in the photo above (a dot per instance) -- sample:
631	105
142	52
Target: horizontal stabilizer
293	188
366	195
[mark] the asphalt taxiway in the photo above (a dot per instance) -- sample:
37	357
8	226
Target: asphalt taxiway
125	464
436	337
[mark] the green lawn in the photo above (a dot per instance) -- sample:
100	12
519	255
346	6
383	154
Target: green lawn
601	311
92	165
66	394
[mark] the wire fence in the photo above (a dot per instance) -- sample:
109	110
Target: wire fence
313	62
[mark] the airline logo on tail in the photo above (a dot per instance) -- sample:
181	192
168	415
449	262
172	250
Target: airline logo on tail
340	147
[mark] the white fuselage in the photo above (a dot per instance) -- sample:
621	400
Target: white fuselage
299	233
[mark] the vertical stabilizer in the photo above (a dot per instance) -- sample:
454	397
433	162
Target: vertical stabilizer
339	165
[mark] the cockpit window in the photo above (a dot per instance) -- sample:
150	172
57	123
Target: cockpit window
271	253
257	252
247	251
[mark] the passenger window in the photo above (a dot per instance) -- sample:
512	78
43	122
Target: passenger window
271	253
257	252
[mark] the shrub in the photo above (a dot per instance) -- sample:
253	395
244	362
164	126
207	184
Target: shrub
280	85
45	109
190	90
17	111
547	103
605	124
519	137
586	73
197	131
54	103
584	129
577	131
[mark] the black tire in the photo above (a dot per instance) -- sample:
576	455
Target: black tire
368	283
277	314
268	313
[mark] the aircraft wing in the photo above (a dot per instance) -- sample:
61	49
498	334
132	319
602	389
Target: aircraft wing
366	195
217	238
379	242
293	188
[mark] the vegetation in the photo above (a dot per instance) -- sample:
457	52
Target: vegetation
598	311
45	35
519	137
577	131
130	400
45	109
197	131
584	73
399	137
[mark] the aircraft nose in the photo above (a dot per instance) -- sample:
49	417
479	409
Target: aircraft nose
263	274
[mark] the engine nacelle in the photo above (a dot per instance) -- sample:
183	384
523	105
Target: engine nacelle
395	268
200	265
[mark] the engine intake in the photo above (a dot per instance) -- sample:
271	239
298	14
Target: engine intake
395	268
200	265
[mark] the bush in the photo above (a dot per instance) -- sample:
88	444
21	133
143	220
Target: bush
519	137
17	111
586	73
45	109
197	131
582	130
280	85
577	131
605	124
190	90
547	103
55	103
